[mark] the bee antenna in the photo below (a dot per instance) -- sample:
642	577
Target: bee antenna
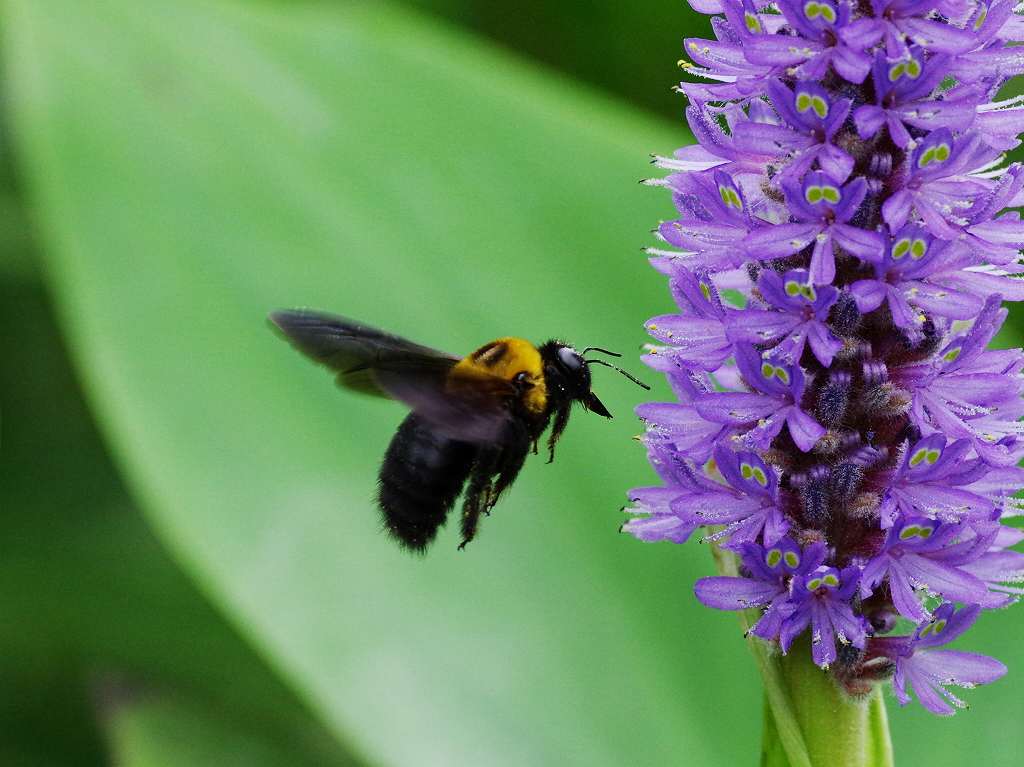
599	349
632	378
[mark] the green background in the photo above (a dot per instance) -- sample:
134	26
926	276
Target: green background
192	571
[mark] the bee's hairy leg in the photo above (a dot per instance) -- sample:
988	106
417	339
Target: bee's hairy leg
477	493
561	421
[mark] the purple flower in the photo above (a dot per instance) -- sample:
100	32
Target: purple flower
842	246
748	513
910	279
903	90
893	22
798	315
922	552
697	337
769	574
935	480
774	403
821	600
939	183
928	671
819	24
969	392
812	120
821	207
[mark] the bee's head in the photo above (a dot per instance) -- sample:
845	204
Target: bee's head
568	374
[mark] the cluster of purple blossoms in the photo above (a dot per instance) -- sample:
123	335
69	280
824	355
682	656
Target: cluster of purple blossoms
839	259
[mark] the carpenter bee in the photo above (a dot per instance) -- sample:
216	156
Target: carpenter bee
474	419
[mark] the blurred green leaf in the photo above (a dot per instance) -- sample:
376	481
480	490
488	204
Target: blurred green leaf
173	731
84	585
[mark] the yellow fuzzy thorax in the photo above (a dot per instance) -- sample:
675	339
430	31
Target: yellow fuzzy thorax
506	358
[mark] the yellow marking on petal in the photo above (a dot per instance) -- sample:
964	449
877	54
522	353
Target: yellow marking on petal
910	531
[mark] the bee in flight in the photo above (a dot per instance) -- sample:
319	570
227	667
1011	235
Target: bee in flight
473	422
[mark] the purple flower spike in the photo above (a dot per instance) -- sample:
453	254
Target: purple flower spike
845	234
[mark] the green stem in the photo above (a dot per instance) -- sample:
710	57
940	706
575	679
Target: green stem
837	730
808	720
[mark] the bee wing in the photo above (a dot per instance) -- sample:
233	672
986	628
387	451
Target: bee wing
468	407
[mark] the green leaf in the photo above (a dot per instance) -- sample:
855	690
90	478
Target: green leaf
85	586
195	165
154	733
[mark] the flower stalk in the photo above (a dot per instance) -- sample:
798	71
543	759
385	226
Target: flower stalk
799	698
843	244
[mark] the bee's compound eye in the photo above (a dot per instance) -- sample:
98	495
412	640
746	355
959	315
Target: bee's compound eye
570	358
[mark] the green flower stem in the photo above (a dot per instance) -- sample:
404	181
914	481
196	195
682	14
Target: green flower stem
837	730
808	720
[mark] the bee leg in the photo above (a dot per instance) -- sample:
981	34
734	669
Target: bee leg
509	465
561	421
477	494
471	509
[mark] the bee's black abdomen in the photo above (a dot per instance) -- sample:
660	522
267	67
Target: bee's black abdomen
422	474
